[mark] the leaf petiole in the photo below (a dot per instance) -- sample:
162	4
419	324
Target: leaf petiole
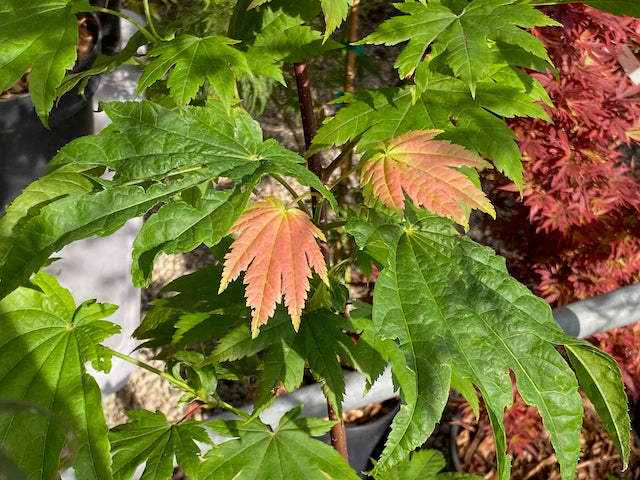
173	380
147	14
152	36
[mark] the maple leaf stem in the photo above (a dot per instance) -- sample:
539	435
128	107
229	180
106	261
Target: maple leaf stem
147	34
296	197
342	177
346	151
147	14
173	380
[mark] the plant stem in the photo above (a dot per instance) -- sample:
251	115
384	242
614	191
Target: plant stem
296	198
152	37
338	438
351	69
339	160
351	54
307	114
147	14
173	380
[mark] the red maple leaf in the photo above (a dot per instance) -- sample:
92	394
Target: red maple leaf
425	169
277	247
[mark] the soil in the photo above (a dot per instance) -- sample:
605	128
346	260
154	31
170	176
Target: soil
86	41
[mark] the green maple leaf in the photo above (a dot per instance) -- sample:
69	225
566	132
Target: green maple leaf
320	337
192	60
459	34
149	438
274	30
280	362
422	465
286	453
455	312
373	116
335	11
45	344
42	36
194	312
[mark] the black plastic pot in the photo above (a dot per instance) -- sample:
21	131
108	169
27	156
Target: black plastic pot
26	146
110	25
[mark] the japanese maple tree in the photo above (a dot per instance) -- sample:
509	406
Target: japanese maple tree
445	311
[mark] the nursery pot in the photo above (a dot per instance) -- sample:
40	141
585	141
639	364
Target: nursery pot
110	25
26	145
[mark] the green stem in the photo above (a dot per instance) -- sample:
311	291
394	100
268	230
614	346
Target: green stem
242	414
173	380
147	14
152	37
296	198
342	177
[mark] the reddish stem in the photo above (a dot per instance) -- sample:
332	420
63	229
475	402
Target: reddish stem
308	116
338	438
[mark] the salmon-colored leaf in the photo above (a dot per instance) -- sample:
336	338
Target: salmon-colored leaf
425	169
277	247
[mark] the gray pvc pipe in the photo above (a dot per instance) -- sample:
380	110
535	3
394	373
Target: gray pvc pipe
597	314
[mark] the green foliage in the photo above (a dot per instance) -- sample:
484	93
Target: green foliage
45	344
445	313
457	34
423	465
432	300
191	61
149	438
286	452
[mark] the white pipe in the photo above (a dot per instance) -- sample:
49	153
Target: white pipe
603	312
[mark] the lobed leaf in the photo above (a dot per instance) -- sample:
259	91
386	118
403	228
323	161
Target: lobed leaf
423	168
286	453
450	304
373	116
151	439
193	60
277	247
459	36
45	343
